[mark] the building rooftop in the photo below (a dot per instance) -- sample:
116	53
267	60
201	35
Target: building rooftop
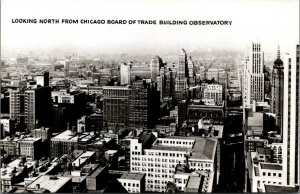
132	176
97	171
271	166
202	148
82	158
78	179
69	135
66	135
117	87
29	139
169	148
193	182
51	183
283	189
264	151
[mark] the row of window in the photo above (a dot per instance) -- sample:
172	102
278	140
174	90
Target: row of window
133	184
154	170
153	165
200	164
175	142
269	182
269	174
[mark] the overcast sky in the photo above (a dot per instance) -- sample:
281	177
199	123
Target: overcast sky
272	22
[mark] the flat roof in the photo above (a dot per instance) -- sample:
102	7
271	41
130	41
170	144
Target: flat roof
271	166
265	150
78	179
51	184
202	148
170	148
96	171
82	158
117	87
275	188
68	135
132	176
29	139
194	182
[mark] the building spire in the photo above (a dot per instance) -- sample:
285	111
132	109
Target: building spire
278	52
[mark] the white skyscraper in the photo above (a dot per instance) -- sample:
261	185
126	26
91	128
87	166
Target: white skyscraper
191	67
253	75
290	128
125	74
155	65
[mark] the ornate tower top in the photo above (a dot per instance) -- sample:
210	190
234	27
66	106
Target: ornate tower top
278	62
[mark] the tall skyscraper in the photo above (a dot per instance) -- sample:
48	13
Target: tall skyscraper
115	106
37	107
182	64
253	75
291	119
297	116
298	112
143	105
181	81
42	79
125	74
190	68
16	104
277	90
31	107
155	66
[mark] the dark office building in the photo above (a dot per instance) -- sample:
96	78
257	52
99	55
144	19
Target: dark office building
31	107
276	104
143	105
68	105
59	116
5	105
115	106
94	122
182	112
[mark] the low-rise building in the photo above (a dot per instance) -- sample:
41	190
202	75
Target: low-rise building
97	179
133	182
262	170
158	161
51	183
31	147
84	158
213	91
10	146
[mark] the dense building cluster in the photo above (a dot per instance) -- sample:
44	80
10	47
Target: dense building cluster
86	125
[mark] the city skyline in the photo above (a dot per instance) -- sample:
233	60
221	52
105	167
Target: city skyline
251	20
138	108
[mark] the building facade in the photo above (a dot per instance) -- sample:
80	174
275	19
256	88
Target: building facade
277	90
143	105
31	107
116	106
253	75
125	74
214	91
155	66
159	161
290	111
